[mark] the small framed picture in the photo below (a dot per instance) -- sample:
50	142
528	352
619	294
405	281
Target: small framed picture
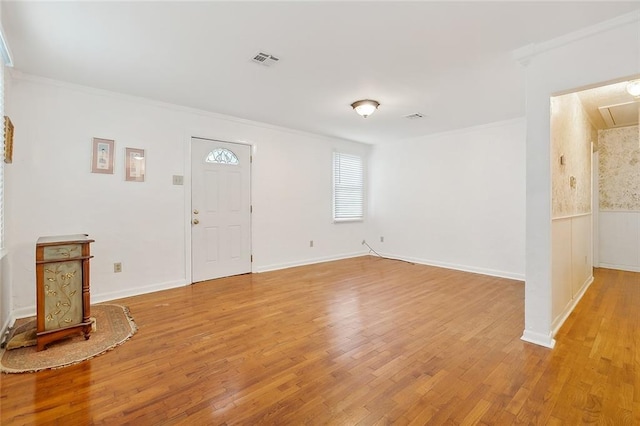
8	140
103	154
134	164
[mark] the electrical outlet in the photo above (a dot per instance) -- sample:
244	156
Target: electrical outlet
311	243
178	179
382	239
117	267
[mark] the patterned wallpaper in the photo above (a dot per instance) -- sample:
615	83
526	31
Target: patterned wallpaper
571	137
619	169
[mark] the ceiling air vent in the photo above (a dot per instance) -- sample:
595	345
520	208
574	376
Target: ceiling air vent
265	59
414	116
620	115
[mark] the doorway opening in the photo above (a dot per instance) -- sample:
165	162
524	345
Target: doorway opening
595	155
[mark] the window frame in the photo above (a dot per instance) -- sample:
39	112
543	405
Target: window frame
348	173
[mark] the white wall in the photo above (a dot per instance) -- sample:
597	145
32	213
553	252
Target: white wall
619	186
5	294
454	200
607	52
5	308
5	290
50	190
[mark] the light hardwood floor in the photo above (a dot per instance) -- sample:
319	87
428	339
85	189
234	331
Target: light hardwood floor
358	341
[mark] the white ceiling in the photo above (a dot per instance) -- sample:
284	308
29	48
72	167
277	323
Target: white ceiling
450	61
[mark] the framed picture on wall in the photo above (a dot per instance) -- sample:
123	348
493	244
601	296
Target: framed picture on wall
8	140
134	164
103	154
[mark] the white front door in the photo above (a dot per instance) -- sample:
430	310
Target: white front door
220	209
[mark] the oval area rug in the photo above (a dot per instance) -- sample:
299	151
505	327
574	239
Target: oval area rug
114	326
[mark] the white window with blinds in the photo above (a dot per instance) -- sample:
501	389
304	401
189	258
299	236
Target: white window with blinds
348	187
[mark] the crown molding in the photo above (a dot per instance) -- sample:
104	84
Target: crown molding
463	130
17	75
525	54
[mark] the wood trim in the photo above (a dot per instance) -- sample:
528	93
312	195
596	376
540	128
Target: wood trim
573	216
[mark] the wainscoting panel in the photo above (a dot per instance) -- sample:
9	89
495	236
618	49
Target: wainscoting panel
619	240
572	264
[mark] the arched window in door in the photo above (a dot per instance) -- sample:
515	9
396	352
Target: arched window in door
222	156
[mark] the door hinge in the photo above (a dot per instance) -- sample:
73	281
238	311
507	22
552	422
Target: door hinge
251	209
251	159
252	258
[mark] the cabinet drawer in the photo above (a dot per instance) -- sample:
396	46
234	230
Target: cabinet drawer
68	251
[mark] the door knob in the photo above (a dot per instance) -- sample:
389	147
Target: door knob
195	211
195	221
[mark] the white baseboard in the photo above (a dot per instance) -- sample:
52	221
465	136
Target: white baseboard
30	311
629	268
539	339
277	266
560	319
105	297
25	312
458	267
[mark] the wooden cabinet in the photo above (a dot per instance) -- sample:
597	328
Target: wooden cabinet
62	287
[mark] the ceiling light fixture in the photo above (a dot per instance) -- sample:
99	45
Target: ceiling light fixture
365	107
634	88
